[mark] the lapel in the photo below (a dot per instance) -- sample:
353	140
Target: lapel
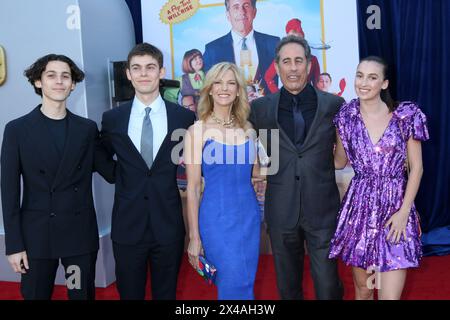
259	51
228	49
41	140
72	148
321	104
123	119
274	115
171	126
259	44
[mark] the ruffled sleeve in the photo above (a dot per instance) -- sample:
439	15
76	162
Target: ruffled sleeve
342	118
338	123
413	121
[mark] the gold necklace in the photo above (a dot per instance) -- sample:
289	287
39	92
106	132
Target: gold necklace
226	124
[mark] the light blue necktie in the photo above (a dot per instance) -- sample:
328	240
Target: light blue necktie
147	139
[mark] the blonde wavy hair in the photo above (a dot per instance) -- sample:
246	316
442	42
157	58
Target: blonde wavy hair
240	107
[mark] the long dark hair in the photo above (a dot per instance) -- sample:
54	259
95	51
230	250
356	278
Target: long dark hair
384	94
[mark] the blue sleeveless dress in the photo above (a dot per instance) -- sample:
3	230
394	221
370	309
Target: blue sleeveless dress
229	217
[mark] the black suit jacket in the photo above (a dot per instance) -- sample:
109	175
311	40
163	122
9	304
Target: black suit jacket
305	183
56	217
145	198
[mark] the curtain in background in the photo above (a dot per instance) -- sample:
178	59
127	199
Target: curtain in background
135	9
415	40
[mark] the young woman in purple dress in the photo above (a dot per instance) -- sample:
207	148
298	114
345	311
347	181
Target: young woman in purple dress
378	230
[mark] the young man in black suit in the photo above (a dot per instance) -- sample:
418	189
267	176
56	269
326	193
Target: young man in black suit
55	153
147	225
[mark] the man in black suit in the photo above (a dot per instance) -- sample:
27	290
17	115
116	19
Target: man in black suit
147	220
302	198
55	152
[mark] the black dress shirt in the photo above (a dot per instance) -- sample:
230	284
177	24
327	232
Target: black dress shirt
308	105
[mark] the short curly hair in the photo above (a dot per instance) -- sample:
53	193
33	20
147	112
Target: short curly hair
34	72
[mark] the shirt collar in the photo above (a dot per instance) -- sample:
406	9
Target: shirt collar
306	95
139	107
237	38
307	91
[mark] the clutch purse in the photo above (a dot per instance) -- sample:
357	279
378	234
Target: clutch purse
207	270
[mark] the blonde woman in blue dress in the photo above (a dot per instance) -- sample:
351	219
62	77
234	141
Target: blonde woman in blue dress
224	222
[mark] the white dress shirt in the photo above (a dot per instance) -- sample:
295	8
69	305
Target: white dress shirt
158	116
251	45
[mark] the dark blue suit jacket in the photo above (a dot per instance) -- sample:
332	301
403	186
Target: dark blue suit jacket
145	198
221	50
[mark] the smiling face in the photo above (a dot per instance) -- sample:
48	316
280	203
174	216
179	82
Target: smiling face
369	80
241	13
145	73
56	82
197	63
224	90
293	67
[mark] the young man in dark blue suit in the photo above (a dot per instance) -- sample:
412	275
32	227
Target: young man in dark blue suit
147	220
259	47
55	153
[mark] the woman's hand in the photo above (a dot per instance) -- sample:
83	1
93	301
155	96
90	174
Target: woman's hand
397	224
194	250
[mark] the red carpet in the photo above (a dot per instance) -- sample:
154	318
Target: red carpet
429	282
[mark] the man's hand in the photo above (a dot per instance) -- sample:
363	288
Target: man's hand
19	262
259	185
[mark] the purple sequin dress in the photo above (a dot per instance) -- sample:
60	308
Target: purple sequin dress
376	191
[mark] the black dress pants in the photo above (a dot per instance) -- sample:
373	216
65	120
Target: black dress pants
132	264
288	253
38	282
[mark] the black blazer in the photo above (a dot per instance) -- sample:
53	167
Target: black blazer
145	198
305	183
56	217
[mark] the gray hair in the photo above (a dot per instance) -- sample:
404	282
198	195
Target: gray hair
227	5
293	39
